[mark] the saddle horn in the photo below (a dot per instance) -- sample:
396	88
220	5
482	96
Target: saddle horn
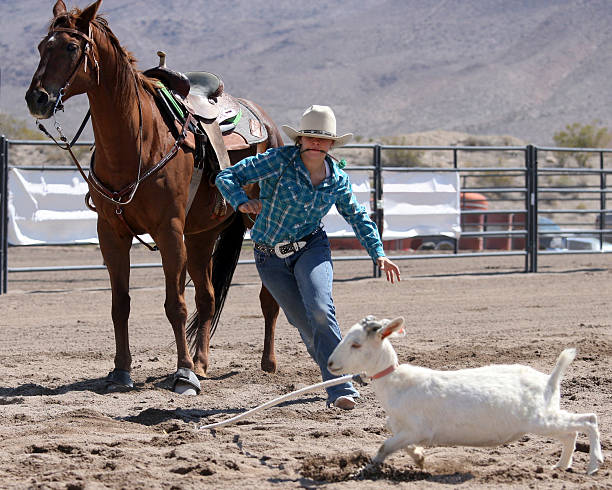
162	59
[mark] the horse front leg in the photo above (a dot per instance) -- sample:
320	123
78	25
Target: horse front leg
270	309
116	253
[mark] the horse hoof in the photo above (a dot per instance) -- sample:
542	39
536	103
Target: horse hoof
118	379
268	366
185	382
184	389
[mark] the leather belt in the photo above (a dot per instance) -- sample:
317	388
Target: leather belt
286	249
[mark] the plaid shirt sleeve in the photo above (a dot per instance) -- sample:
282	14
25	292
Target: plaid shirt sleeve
356	215
248	171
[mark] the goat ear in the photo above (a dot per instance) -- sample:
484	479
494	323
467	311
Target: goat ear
395	326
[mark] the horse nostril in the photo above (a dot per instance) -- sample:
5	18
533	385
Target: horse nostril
330	364
42	99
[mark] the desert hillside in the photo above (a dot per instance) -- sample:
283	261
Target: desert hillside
388	67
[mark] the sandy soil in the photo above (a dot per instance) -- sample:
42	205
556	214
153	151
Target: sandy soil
60	429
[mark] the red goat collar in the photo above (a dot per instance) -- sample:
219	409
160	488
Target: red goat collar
384	372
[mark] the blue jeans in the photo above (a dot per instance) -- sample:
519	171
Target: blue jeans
302	286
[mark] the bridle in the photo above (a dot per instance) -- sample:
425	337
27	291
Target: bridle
118	198
87	52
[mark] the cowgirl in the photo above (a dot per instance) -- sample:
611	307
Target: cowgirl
299	184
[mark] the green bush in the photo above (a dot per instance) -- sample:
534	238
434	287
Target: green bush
400	158
579	135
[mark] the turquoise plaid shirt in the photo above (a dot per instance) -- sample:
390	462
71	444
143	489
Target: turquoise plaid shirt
291	206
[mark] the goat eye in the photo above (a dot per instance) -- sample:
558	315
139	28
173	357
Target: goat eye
355	346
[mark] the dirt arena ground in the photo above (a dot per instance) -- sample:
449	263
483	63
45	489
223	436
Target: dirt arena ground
60	429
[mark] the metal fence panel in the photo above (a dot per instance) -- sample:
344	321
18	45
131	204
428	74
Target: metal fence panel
532	193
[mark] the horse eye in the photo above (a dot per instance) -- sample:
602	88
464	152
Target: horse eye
71	47
355	346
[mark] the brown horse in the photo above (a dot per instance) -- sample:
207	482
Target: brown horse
141	185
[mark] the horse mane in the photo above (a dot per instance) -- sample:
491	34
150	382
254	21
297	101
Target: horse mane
126	67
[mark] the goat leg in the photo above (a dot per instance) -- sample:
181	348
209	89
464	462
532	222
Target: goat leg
569	444
398	441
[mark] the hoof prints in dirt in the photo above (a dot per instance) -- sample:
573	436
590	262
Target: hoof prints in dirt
343	468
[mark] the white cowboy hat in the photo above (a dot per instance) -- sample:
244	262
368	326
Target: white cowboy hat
318	121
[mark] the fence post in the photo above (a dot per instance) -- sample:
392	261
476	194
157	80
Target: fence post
3	214
535	204
603	221
528	207
531	157
377	205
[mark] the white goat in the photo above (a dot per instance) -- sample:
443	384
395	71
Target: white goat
485	406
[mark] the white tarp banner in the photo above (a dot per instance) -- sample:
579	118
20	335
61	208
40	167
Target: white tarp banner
48	206
421	204
415	204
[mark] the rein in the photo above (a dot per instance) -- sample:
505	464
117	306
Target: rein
115	197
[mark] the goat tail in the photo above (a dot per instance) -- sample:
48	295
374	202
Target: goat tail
552	391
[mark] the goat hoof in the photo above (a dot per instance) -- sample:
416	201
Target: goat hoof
366	472
419	458
592	470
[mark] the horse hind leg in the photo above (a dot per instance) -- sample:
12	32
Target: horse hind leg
199	266
270	310
174	259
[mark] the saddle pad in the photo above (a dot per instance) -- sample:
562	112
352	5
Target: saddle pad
249	126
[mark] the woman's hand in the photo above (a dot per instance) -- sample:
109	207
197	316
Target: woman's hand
391	270
252	206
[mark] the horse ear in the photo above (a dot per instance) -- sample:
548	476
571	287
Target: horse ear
88	15
59	8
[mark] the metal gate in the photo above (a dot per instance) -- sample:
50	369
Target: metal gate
533	189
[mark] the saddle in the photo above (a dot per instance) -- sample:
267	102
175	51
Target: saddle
202	94
225	122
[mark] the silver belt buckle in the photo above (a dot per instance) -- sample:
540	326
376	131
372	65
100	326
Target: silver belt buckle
283	255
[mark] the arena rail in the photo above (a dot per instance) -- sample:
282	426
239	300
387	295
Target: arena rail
517	224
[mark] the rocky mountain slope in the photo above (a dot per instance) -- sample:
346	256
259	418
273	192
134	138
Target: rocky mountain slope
521	68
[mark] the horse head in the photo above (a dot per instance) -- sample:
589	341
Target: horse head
68	63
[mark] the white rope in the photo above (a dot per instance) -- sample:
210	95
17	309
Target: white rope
281	399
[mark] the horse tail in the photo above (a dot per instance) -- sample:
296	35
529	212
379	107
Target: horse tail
225	258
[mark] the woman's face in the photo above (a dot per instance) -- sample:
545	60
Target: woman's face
317	144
